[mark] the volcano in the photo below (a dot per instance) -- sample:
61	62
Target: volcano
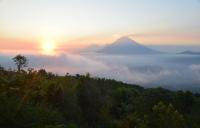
125	45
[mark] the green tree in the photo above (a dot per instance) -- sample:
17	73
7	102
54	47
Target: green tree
20	61
91	102
123	98
165	116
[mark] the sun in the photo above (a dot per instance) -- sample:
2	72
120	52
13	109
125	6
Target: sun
48	47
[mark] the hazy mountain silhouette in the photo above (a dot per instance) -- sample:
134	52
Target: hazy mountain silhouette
190	53
125	45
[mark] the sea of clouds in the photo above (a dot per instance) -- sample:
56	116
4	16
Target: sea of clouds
171	71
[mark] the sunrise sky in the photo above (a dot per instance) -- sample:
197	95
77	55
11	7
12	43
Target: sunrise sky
67	24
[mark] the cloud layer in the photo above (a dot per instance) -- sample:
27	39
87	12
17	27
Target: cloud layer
170	71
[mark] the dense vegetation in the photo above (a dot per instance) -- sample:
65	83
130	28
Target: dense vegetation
38	99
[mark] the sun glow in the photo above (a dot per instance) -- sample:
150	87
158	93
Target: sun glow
48	47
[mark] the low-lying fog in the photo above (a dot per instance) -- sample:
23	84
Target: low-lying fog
173	71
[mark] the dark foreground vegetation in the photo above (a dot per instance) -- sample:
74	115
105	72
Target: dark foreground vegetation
37	99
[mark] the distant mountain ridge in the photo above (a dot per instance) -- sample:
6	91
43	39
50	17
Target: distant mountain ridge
190	53
125	45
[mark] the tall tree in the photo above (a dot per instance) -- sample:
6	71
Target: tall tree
20	61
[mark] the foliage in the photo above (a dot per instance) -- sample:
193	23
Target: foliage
167	116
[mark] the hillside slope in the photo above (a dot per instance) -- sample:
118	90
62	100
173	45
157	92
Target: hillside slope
37	99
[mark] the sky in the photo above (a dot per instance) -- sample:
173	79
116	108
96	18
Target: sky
30	25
